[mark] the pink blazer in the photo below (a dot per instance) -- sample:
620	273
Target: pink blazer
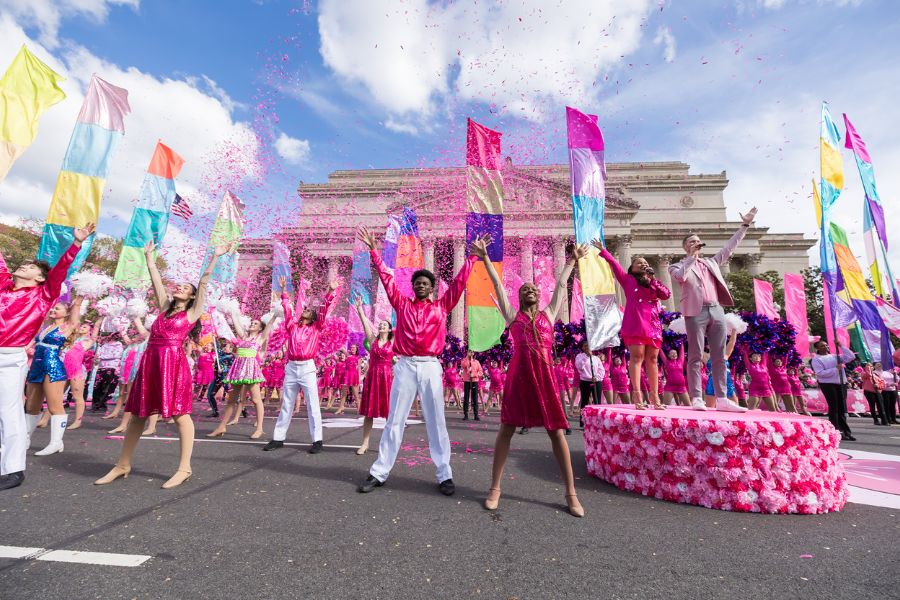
641	318
685	272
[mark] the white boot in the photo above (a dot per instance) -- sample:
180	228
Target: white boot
31	422
57	429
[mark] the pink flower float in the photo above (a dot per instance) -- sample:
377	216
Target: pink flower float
744	462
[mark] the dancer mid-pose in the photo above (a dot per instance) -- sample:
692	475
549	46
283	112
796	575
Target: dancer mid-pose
419	338
676	384
760	389
303	334
349	390
245	374
26	296
129	371
781	385
47	375
376	392
530	396
75	370
163	382
451	384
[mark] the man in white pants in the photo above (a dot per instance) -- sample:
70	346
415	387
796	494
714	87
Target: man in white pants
703	294
303	336
419	337
26	297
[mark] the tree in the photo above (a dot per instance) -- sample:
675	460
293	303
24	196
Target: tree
741	285
18	244
815	307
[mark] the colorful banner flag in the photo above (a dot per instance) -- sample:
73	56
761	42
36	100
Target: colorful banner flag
150	218
890	315
410	256
227	231
831	181
576	311
79	188
27	90
360	287
855	291
874	230
484	202
765	304
383	310
795	311
587	171
281	267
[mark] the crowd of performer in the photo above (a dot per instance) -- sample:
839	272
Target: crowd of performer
158	368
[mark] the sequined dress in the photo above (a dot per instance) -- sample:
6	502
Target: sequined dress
162	384
47	361
245	369
376	394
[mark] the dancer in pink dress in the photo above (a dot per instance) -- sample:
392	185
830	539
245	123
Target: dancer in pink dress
641	328
530	390
376	393
205	371
797	391
350	381
75	369
780	384
337	377
328	381
496	376
563	373
737	376
760	389
162	385
618	375
606	386
676	383
452	382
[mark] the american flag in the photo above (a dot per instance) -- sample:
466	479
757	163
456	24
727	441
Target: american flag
180	208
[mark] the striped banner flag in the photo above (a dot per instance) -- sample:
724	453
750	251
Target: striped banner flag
79	188
587	171
150	218
281	267
383	310
410	256
27	90
360	287
484	203
180	208
227	230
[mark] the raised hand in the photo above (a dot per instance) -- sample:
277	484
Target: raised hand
748	218
366	237
357	301
580	251
282	283
221	250
149	247
479	248
597	244
82	233
333	285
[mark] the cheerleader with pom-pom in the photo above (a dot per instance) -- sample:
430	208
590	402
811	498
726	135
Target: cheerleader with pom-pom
676	383
73	360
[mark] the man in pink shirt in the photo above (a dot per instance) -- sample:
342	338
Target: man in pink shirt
303	336
26	296
703	294
419	337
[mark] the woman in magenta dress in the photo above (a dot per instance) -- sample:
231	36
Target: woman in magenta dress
496	377
606	386
162	385
641	328
452	383
530	396
760	389
337	377
205	372
618	375
676	385
563	374
350	382
376	393
781	385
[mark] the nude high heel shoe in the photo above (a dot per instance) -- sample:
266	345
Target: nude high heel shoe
575	511
114	474
492	503
177	479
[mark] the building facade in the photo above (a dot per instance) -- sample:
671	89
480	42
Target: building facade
650	208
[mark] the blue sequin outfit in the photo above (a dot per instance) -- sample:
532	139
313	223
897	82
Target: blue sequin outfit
47	360
729	382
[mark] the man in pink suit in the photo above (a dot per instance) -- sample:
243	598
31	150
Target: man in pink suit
703	296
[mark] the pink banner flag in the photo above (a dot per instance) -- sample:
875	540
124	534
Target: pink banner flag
843	336
762	292
795	311
829	321
576	311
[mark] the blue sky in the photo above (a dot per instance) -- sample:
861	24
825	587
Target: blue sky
732	86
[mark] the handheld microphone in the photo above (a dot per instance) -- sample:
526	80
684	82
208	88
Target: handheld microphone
701	245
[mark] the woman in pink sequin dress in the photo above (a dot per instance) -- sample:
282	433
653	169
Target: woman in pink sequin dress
530	395
376	393
162	385
350	381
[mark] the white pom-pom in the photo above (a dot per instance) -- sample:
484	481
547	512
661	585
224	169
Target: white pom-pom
84	307
149	320
91	284
735	323
111	306
229	306
136	308
245	322
278	311
266	318
678	326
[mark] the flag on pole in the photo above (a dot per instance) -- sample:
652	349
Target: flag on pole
854	291
99	128
281	267
227	231
795	311
874	230
360	287
831	181
587	170
150	218
181	209
765	304
484	202
383	310
410	257
27	89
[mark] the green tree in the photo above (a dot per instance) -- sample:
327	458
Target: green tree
741	285
815	308
17	244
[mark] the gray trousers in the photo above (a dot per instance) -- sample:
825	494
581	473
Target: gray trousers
709	325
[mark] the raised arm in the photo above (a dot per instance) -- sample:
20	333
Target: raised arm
728	249
199	305
619	273
268	329
368	330
159	288
458	285
5	275
238	326
395	297
58	273
328	305
479	250
75	312
286	303
560	291
729	346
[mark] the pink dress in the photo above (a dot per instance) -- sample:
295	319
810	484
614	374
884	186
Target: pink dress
327	375
759	376
778	377
451	377
674	369
563	374
530	396
796	386
496	376
163	381
74	359
619	377
640	323
275	378
606	385
351	371
738	382
376	393
205	373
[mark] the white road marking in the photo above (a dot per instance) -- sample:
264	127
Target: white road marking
220	441
75	556
873	498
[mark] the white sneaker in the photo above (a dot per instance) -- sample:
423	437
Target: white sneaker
726	405
698	404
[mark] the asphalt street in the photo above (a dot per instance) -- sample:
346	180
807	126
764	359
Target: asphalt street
287	524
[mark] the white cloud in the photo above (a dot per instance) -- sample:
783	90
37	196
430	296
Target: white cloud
400	126
46	15
664	36
519	56
292	150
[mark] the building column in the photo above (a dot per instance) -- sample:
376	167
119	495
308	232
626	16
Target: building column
428	251
458	315
526	259
662	272
559	263
753	262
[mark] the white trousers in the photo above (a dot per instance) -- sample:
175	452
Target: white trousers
299	375
13	431
422	374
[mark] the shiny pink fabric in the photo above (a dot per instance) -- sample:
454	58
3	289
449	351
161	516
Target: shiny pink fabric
708	284
674	371
376	394
22	311
530	398
163	381
205	373
759	376
303	340
351	371
642	307
421	328
778	376
618	374
74	359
